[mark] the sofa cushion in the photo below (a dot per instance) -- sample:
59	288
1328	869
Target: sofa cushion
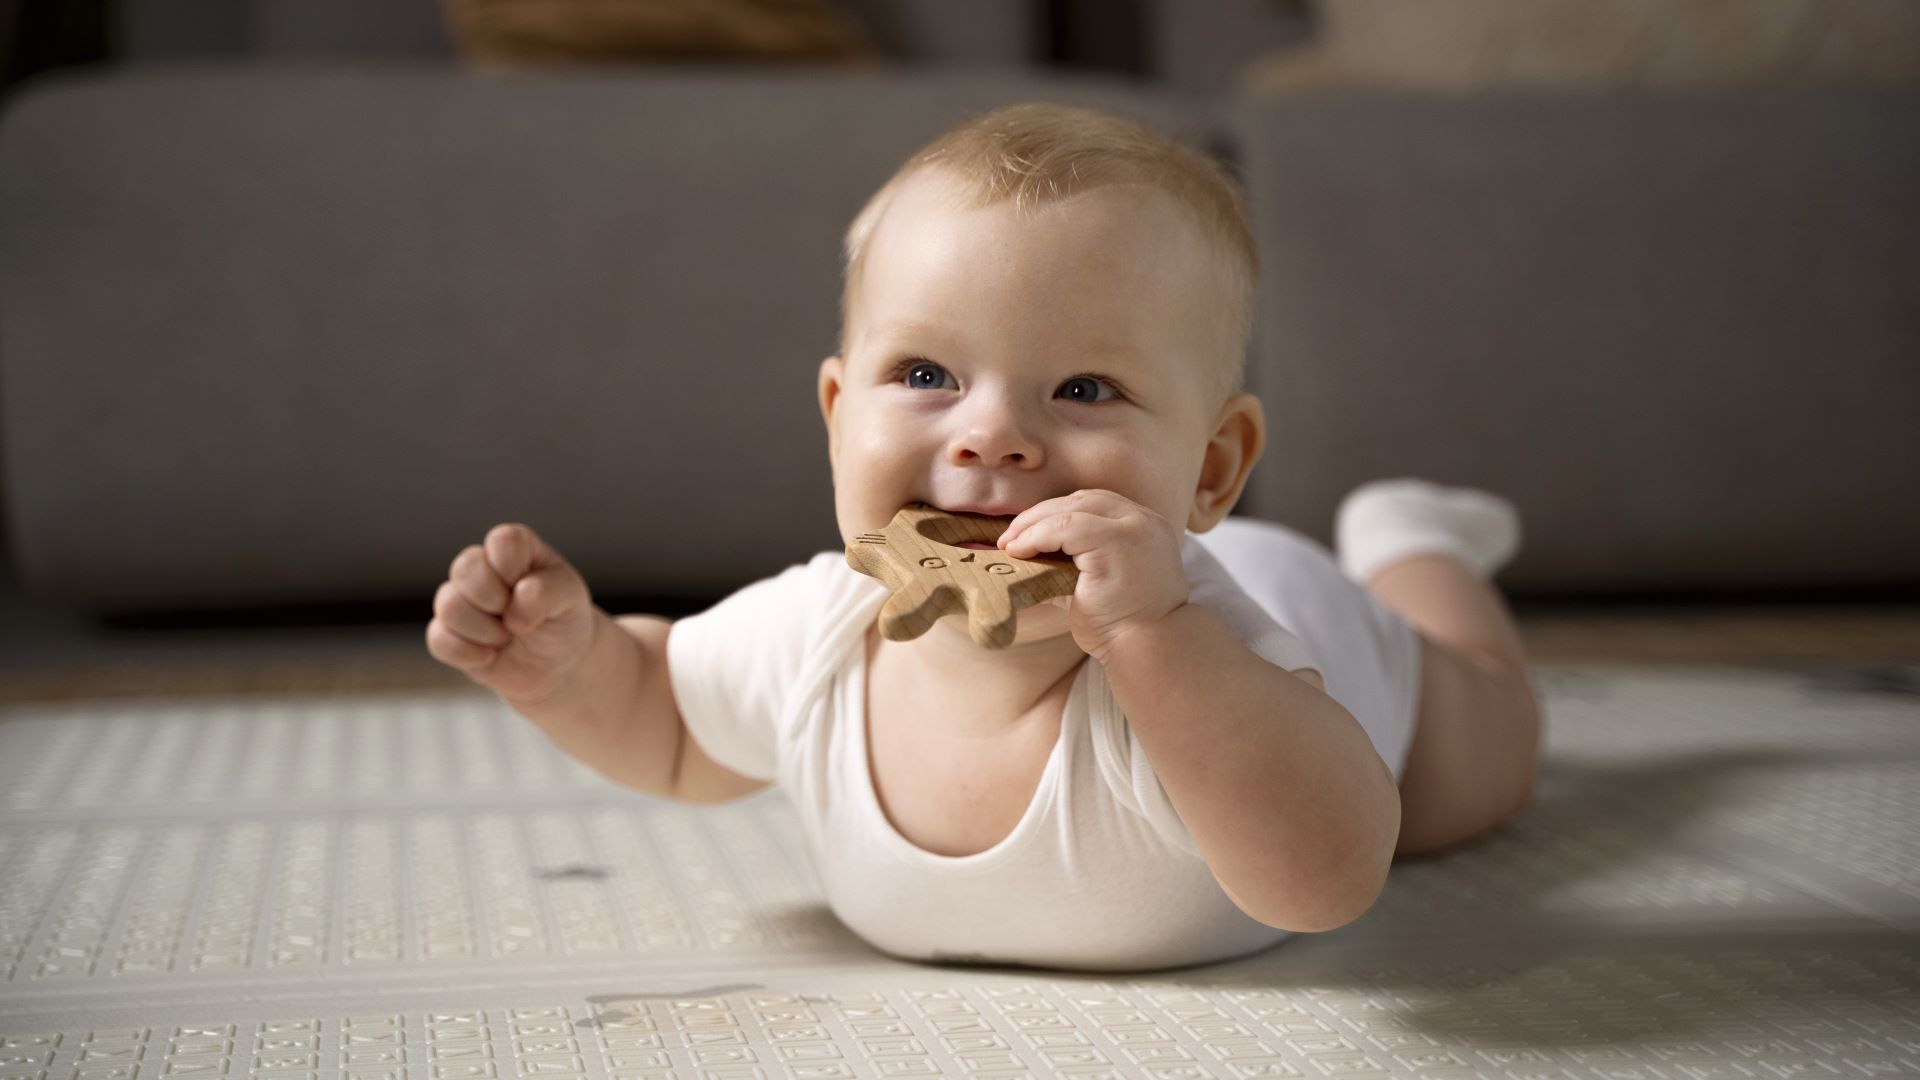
1679	329
297	335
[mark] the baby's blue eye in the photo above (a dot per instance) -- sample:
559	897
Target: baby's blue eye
1085	388
924	376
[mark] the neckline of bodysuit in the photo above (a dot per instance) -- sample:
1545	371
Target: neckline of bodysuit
1029	823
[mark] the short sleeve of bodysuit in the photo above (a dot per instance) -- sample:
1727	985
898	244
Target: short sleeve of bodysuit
1211	584
734	664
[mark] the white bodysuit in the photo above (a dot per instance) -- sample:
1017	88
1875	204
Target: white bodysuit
1100	873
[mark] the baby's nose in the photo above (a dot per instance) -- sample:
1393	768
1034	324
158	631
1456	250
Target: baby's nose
994	448
1011	457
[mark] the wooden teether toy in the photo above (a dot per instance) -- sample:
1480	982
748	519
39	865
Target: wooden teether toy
918	556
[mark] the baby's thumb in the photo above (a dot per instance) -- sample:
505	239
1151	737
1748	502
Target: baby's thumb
542	596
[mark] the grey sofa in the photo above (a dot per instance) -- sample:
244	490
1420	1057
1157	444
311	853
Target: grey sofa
296	329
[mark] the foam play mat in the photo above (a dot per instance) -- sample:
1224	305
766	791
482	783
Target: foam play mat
1720	877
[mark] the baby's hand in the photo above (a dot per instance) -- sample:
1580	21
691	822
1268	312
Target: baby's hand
1128	558
512	615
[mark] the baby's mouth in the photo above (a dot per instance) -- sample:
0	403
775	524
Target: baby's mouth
1003	518
980	545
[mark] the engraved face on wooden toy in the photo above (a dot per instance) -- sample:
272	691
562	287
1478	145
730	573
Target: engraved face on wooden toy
921	557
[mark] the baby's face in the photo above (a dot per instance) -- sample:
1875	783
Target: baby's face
997	358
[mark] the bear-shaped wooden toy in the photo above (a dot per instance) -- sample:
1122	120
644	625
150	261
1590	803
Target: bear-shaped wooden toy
919	555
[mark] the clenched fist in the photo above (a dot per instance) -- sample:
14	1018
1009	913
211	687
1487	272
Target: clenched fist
512	615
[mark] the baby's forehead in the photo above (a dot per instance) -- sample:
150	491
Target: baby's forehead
1128	257
1122	238
934	191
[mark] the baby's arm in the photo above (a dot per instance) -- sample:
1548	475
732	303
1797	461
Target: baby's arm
642	743
614	710
1278	784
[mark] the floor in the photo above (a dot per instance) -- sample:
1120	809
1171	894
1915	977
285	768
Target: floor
1720	877
306	852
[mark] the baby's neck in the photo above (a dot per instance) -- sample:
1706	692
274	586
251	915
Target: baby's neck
1003	683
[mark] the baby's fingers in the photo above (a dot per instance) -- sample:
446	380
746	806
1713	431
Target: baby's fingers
453	610
450	648
471	574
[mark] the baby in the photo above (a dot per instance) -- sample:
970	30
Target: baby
1222	737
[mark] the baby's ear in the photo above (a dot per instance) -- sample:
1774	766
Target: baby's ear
831	370
1231	453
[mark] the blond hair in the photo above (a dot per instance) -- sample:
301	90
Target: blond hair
1038	153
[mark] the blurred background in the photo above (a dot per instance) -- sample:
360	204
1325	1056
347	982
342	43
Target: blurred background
299	298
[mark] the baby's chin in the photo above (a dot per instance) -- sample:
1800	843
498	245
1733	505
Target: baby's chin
1047	618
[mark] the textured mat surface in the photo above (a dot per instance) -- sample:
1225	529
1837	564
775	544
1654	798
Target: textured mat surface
1720	877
